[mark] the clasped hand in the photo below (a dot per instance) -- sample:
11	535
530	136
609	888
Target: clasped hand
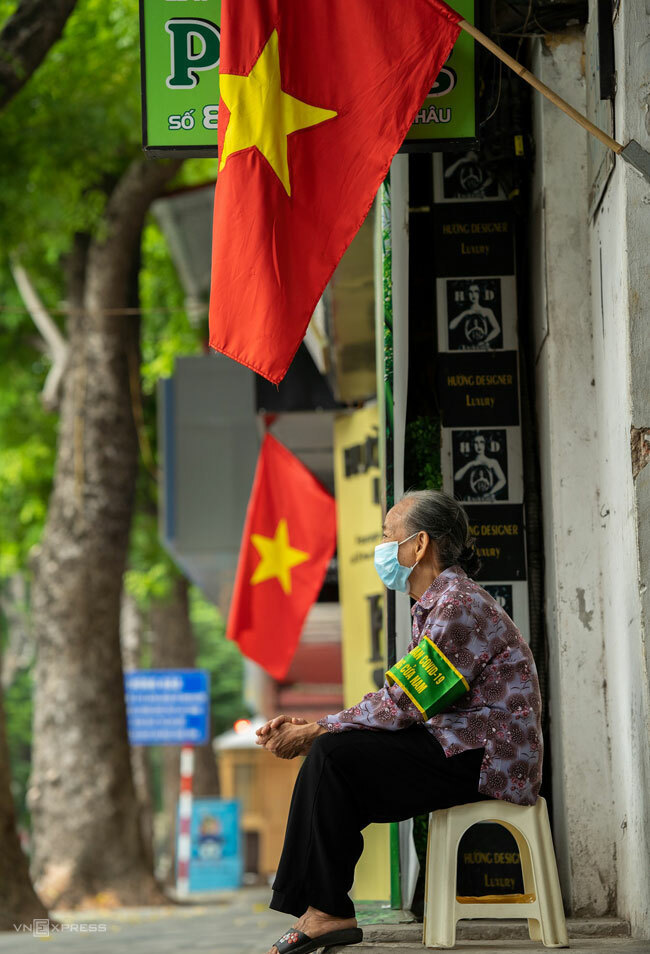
287	736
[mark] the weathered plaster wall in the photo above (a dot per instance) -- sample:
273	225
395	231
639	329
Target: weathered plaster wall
570	449
592	325
620	240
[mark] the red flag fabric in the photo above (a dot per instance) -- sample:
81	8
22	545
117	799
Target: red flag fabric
316	99
289	538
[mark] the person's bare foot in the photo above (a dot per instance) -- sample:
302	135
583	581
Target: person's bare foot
315	922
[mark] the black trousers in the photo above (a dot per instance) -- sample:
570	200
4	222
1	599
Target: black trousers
348	780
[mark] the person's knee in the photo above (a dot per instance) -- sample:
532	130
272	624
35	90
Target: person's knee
337	757
332	747
323	744
317	759
339	749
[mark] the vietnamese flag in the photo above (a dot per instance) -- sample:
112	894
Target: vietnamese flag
316	98
289	539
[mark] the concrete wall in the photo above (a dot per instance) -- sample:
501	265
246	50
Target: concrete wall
569	455
620	240
592	298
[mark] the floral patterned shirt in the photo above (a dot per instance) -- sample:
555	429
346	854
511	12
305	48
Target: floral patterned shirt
502	710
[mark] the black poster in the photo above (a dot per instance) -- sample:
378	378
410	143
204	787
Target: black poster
464	177
477	389
499	533
474	318
473	238
480	465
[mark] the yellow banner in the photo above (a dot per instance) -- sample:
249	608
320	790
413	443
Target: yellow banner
358	501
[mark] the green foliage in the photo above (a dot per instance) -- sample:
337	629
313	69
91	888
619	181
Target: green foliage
420	835
225	663
27	438
422	454
166	331
151	570
72	130
165	334
387	287
67	138
18	713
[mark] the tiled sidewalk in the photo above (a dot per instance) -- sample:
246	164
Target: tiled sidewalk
241	923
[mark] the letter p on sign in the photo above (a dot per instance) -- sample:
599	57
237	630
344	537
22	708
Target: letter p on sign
195	45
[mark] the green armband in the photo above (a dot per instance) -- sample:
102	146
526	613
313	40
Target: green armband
428	678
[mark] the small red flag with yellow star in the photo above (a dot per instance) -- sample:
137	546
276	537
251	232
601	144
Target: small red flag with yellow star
316	99
288	541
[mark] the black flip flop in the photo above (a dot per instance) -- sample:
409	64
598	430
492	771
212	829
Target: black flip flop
296	942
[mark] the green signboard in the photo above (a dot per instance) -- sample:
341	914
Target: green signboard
448	114
180	52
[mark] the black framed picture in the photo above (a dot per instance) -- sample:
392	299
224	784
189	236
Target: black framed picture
480	465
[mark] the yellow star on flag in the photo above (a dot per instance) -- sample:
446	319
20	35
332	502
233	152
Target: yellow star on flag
262	115
277	557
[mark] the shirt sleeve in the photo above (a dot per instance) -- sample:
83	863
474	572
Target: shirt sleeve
459	634
463	638
388	708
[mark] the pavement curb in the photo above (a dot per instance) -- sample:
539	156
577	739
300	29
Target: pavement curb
497	930
616	945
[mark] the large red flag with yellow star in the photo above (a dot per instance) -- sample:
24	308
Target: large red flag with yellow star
316	99
289	538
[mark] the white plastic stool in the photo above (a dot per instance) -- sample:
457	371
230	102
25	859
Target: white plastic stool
541	903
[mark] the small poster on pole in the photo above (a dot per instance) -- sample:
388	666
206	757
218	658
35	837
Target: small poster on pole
216	855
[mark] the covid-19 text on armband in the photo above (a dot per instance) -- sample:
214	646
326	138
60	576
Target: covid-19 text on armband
429	679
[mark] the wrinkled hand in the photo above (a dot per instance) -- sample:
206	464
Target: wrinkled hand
287	738
288	741
265	730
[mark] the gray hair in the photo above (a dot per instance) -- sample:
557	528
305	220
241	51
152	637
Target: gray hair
445	521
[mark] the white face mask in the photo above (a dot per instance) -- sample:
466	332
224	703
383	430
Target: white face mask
391	572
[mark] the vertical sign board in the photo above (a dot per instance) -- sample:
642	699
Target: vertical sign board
180	48
477	375
359	523
448	116
357	476
477	384
216	857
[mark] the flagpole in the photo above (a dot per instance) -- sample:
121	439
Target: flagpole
633	153
541	87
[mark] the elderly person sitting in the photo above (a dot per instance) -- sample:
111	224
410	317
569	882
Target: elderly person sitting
457	721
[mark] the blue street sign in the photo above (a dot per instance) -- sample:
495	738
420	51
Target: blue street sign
167	706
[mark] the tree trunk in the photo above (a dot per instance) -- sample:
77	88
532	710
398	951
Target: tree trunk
19	649
174	647
84	808
131	627
18	901
25	39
